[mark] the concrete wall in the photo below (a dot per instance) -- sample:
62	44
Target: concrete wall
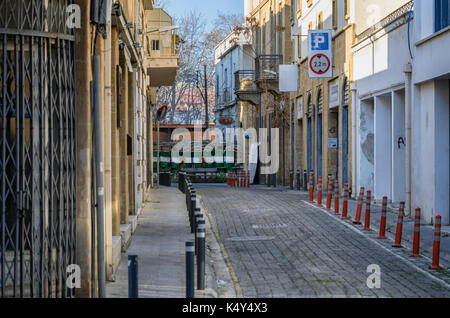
431	135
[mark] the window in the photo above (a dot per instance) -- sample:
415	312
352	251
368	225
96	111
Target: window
309	3
441	14
155	45
335	22
320	21
346	10
310	26
299	8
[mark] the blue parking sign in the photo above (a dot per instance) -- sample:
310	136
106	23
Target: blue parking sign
319	41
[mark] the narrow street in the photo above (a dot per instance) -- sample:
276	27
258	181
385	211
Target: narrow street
280	246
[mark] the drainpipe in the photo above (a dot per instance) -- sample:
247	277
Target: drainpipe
407	69
99	177
354	141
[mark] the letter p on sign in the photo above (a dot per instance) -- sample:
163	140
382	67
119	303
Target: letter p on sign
319	41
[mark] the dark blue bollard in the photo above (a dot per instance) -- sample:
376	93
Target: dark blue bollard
190	269
133	285
192	211
201	259
200	225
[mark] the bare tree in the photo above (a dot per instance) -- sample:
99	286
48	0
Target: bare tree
163	4
193	52
224	24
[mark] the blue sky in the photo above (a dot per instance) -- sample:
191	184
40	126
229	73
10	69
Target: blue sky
208	8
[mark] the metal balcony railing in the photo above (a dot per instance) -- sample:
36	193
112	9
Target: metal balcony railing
267	67
223	97
240	75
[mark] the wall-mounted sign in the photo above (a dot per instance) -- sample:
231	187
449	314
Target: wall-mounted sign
320	54
332	143
334	94
288	78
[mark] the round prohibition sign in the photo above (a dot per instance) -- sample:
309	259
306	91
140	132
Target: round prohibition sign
319	64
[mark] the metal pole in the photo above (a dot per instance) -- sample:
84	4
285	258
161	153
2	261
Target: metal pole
190	269
157	162
206	100
99	177
133	284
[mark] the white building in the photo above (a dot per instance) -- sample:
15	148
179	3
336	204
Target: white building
401	89
430	108
233	54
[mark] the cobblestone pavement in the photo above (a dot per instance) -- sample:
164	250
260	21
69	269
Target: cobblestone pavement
280	246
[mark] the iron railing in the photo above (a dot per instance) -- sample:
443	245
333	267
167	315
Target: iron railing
224	97
37	149
240	75
385	21
267	67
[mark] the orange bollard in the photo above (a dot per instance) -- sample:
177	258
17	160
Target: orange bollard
241	179
311	188
398	233
345	202
329	193
382	234
336	197
319	192
436	244
367	214
359	208
416	240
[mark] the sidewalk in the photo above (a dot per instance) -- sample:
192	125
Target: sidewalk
159	242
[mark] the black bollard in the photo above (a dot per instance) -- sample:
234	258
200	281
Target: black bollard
192	211
201	259
292	179
190	269
197	215
305	180
200	225
133	286
298	180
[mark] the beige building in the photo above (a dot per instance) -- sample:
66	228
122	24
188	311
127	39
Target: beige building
77	137
138	56
263	105
321	109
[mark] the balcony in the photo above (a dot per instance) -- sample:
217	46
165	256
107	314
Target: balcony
245	87
267	71
161	59
224	98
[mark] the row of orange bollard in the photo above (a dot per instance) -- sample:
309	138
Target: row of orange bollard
238	179
383	220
